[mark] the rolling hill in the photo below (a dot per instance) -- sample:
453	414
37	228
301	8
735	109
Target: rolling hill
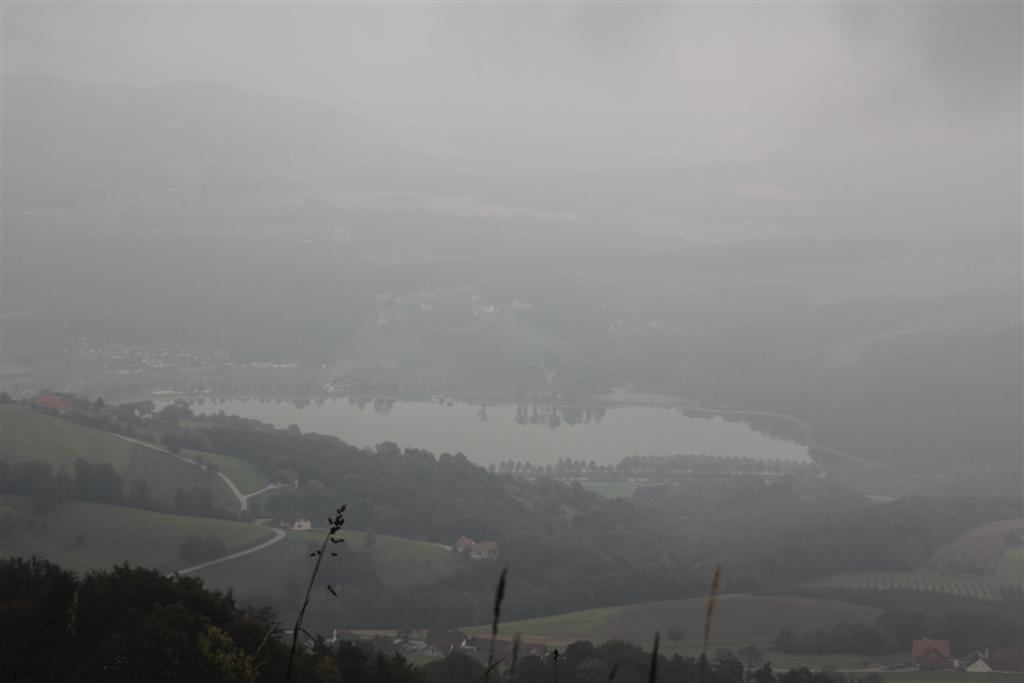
82	536
28	435
400	564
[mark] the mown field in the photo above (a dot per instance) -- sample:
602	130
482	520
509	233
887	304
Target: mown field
400	563
1010	569
82	536
739	620
28	435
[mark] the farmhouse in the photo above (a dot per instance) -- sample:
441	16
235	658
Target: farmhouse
302	524
464	543
55	403
931	655
485	550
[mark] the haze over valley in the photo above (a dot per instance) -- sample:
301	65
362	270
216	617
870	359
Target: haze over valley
607	295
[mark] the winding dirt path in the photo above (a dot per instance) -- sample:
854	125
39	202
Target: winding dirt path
243	505
243	498
278	536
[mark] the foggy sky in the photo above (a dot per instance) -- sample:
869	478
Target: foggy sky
915	89
738	80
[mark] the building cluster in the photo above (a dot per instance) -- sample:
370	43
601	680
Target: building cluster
936	655
442	642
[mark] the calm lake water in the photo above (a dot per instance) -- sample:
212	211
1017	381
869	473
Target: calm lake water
527	433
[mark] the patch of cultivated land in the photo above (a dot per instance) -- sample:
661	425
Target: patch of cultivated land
980	588
83	536
28	435
739	620
400	563
980	551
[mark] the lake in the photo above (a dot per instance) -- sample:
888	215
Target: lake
537	434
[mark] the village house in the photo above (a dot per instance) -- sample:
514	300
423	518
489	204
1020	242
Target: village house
976	662
61	405
302	524
485	550
931	655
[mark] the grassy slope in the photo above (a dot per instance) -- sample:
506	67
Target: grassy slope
400	563
27	435
739	620
610	489
1011	567
83	536
248	476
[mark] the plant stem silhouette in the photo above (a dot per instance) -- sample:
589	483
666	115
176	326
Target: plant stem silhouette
335	523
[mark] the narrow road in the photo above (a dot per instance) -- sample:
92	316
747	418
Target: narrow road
278	535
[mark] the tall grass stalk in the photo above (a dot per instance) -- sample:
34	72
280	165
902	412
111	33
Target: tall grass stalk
652	672
499	597
335	524
516	642
708	618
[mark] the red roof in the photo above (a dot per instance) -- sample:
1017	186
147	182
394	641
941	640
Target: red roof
58	404
923	649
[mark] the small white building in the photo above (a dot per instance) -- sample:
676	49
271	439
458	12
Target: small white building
302	524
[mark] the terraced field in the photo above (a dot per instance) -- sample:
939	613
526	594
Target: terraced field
980	588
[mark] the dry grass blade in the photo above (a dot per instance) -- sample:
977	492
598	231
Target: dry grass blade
615	670
486	675
499	596
515	659
652	672
708	618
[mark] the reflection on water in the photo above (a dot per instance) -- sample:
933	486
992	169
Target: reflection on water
527	432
